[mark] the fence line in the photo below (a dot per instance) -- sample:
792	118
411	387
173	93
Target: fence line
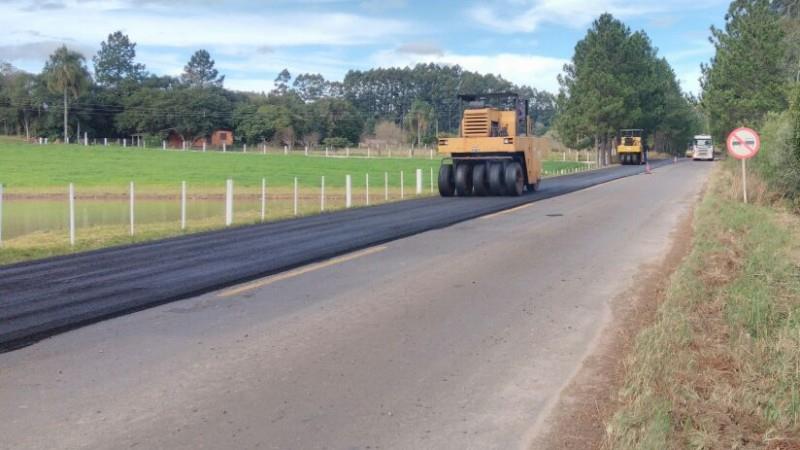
251	191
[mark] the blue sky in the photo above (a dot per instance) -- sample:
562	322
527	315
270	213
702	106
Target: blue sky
525	41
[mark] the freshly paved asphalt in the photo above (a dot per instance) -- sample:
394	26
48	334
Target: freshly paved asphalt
461	337
42	298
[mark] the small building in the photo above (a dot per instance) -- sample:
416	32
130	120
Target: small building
215	139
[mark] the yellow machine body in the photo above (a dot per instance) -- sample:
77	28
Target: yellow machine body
488	132
631	148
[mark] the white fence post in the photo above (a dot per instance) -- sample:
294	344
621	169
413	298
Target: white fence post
71	214
285	149
204	146
263	199
105	142
306	150
132	207
1	215
326	151
183	205
348	191
322	194
347	152
367	186
368	151
244	149
163	145
295	196
224	147
402	187
124	142
85	139
229	203
419	181
386	186
431	150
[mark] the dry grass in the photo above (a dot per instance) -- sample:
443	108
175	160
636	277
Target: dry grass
720	367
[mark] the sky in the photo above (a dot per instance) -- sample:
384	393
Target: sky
525	41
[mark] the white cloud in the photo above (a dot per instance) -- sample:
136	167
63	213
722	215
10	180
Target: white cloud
530	14
90	21
540	72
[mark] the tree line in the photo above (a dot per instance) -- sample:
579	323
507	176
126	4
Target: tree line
120	98
754	80
616	80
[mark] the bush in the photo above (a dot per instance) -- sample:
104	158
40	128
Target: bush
778	162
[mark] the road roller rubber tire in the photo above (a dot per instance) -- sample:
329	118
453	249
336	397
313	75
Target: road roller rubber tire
496	179
480	182
514	181
447	186
463	180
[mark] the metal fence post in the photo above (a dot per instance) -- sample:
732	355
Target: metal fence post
183	205
229	202
295	196
132	207
322	194
263	199
71	214
1	214
348	191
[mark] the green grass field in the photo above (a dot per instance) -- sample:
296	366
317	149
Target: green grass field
28	168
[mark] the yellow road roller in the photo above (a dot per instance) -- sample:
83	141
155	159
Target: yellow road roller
494	152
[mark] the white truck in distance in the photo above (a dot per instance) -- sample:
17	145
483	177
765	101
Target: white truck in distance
703	148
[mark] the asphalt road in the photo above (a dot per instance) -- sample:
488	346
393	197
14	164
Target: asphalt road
46	297
460	337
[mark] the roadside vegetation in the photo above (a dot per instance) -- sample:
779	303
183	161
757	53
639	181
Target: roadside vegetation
720	365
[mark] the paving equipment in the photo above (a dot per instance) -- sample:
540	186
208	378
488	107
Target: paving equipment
632	148
494	152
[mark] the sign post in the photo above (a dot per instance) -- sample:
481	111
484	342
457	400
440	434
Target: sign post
743	144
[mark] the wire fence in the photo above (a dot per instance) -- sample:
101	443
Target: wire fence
184	208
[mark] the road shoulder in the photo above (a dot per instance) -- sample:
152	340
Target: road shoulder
578	418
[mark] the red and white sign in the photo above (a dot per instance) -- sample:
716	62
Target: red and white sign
743	143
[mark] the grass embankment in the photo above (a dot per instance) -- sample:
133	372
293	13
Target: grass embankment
720	367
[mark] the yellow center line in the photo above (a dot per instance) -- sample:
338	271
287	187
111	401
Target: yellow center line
500	213
299	271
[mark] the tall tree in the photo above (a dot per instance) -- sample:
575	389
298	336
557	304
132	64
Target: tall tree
65	73
282	82
200	71
115	61
745	79
419	117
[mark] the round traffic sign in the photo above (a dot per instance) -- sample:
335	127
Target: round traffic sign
743	143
